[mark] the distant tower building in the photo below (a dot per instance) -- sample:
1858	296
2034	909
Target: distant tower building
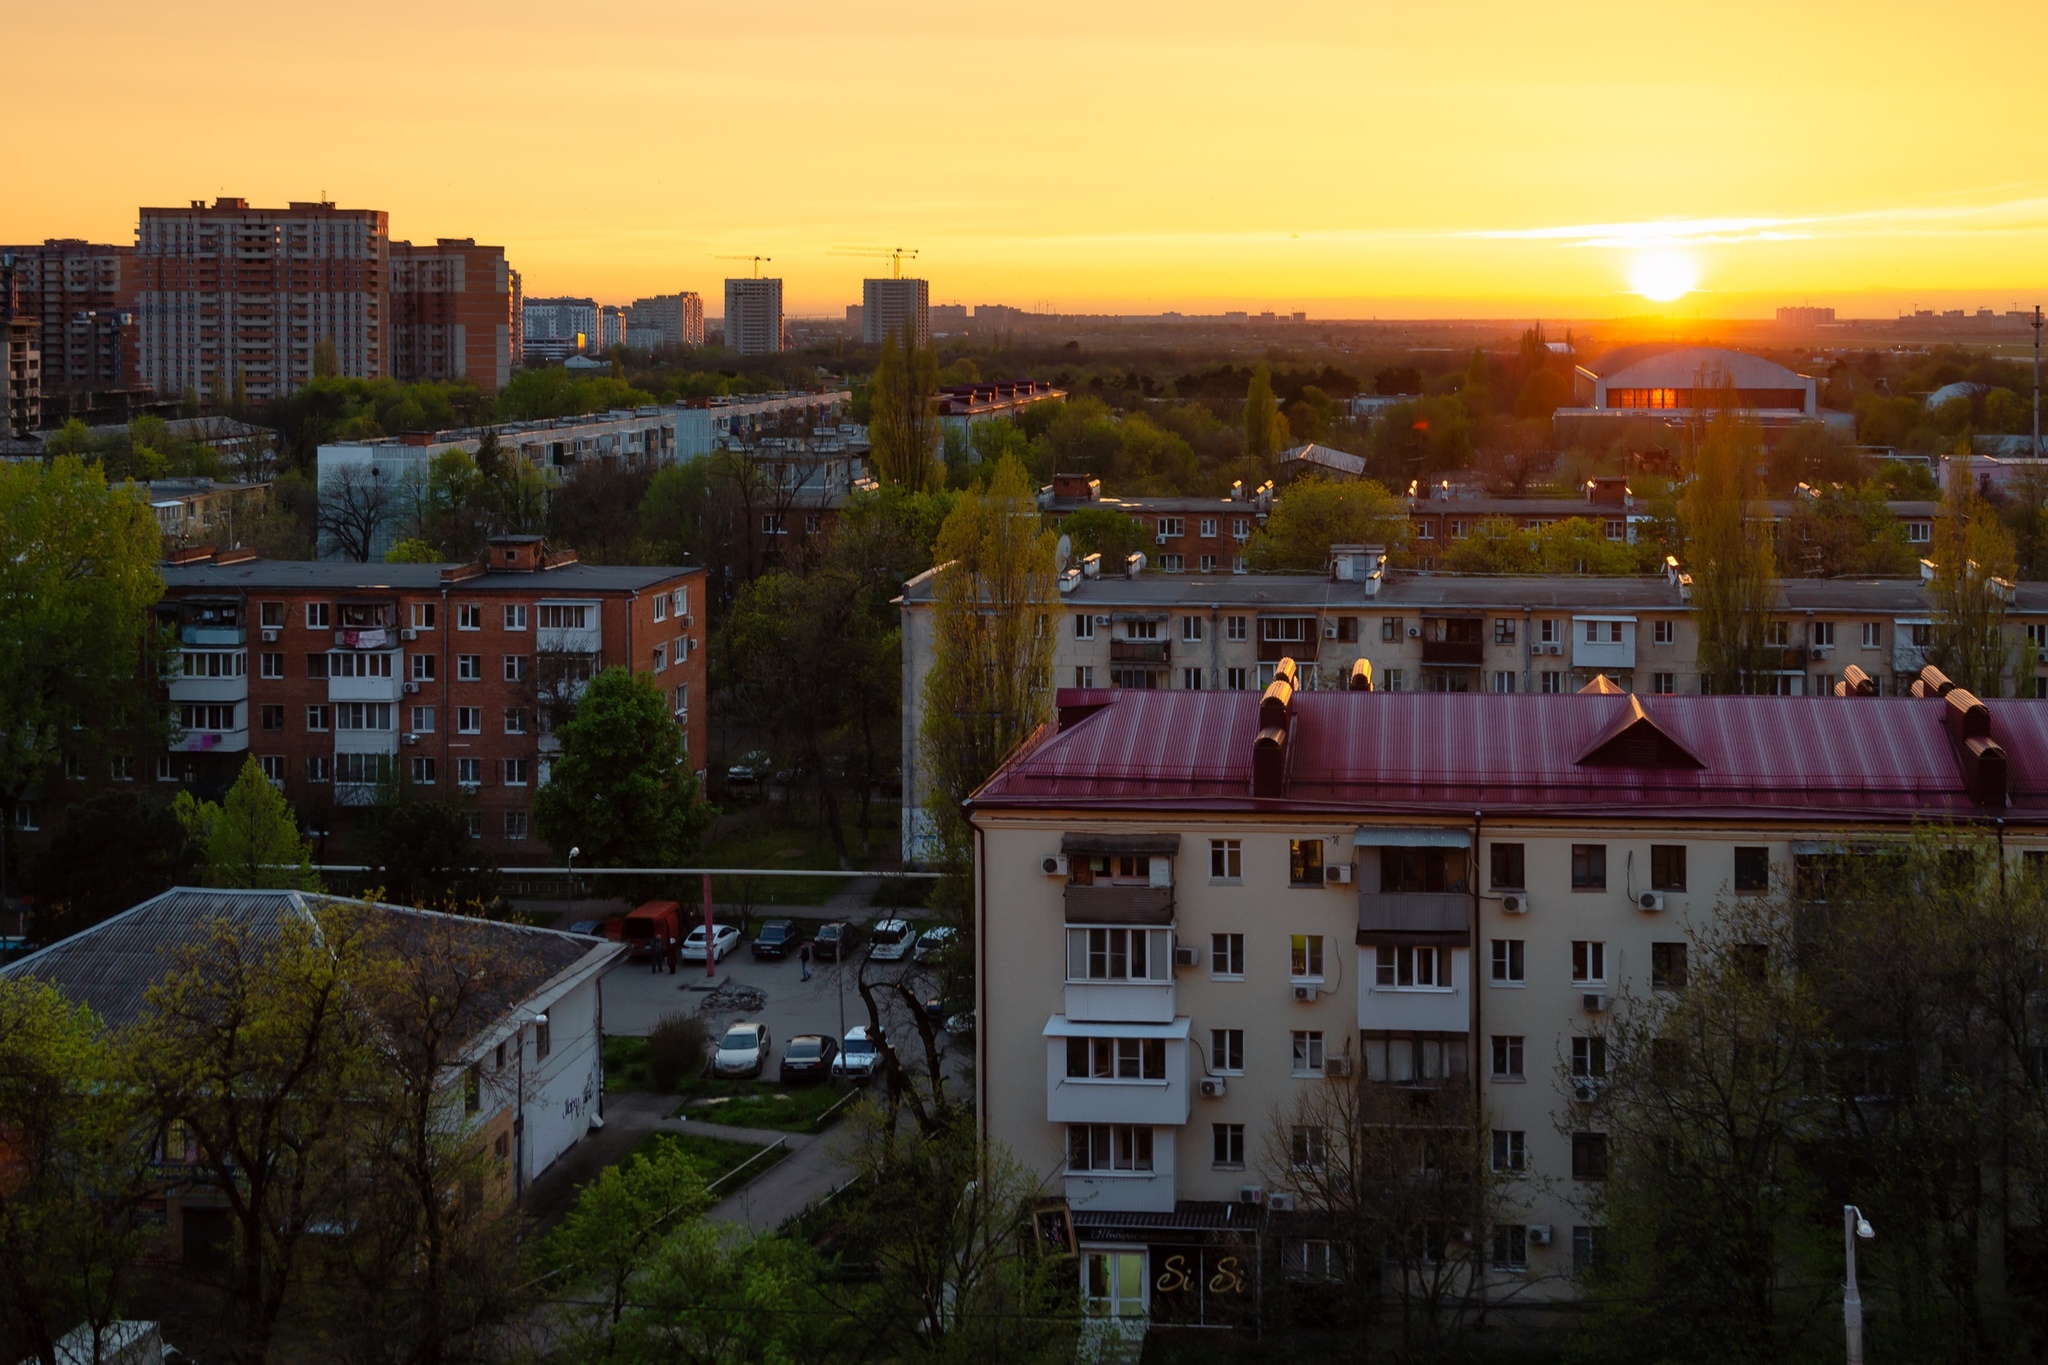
678	318
903	307
559	328
611	326
83	296
753	316
21	351
452	313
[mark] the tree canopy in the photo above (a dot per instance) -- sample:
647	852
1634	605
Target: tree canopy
251	839
621	789
1315	513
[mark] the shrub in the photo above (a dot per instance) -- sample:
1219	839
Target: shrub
675	1049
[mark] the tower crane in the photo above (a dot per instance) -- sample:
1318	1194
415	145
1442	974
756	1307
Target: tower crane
892	254
757	260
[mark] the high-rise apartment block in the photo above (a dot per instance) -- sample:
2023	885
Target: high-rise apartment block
902	308
231	294
678	318
81	296
611	326
24	394
560	327
753	316
451	312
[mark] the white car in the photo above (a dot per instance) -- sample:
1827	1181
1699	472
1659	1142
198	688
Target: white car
858	1056
743	1051
931	943
726	938
888	940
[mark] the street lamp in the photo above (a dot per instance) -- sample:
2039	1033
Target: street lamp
1854	1225
572	881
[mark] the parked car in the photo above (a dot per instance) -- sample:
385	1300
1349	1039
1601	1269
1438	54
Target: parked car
961	1025
938	1011
726	938
808	1057
889	940
835	941
777	938
589	928
749	771
931	943
743	1051
858	1056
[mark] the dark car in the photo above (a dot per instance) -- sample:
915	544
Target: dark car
808	1057
835	941
778	938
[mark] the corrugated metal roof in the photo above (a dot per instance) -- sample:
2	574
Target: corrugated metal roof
254	575
1455	753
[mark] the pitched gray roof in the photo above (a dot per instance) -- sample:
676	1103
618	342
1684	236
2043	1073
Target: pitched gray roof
338	576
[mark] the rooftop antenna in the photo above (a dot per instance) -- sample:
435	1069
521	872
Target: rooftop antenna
755	259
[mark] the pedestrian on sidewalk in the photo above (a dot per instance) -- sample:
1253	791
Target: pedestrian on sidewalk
804	956
659	951
674	953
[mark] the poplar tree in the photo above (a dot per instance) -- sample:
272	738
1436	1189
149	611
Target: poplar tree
1734	571
903	429
1264	430
1974	568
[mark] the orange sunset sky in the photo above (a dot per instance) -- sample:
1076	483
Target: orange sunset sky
1461	158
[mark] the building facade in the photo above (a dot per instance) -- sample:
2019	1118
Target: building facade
232	295
450	313
1207	906
335	676
82	297
678	319
899	308
753	317
555	329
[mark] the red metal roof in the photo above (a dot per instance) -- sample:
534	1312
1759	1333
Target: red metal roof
1389	752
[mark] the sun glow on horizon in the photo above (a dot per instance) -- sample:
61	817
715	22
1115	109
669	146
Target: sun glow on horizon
1663	276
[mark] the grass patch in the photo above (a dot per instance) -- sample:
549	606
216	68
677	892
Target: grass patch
759	843
625	1064
760	1104
713	1157
903	893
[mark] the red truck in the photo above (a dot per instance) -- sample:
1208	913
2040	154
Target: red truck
649	924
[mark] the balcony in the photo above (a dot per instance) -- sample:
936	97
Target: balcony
1137	651
212	742
1385	915
1453	653
1273	651
1111	903
1157	1102
212	635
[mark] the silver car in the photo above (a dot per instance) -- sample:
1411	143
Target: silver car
743	1051
858	1056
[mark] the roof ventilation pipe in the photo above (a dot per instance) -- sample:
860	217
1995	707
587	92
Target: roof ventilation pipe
1361	675
1856	683
1269	750
1932	682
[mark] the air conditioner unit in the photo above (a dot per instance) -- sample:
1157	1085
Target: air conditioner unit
1539	1234
1251	1194
1305	995
686	621
408	634
1212	1089
1651	900
1280	1202
1516	904
1186	955
412	740
412	687
1554	649
1337	1066
1595	1002
1415	632
1330	630
1101	620
1053	865
1160	539
1337	874
269	637
1585	1089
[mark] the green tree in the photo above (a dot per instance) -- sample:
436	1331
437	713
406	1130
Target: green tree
713	1294
251	839
1728	553
420	852
1099	531
1576	545
904	427
78	885
604	1242
1264	430
1316	513
1974	568
412	550
621	789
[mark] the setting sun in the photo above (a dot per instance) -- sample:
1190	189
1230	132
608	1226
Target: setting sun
1662	276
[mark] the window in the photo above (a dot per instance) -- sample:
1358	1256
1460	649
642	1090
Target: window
270	666
515	668
1226	1145
543	1040
1117	955
423	615
1589	962
1667	867
1305	862
1508	961
1226	860
1873	634
273	768
362	769
270	614
163	769
1226	955
1589	1057
1172	528
1191	629
1919	532
1664	633
1589	1156
515	617
661	604
772	524
1585	1249
469	772
469	720
316	616
319	768
423	771
212	663
347	664
1113	1284
1778	634
423	720
1510	1150
566	618
1191	680
1667	966
469	616
74	768
1109	1147
1589	867
1308	1147
1663	684
515	720
1208	563
1511	1246
1241	528
1084	626
1752	869
1408	966
1507	1056
121	767
1552	681
1307	1052
1234	627
1208	528
201	716
316	667
1824	634
1306	962
1347	630
1116	1059
1141	630
1226	1051
1508	867
1391	629
469	668
515	772
362	715
1238	679
1503	630
422	668
1084	676
317	718
1503	680
271	717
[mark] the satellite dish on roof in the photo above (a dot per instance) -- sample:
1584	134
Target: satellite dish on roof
1062	553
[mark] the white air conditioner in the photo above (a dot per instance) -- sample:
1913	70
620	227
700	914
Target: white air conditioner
1101	620
1585	1089
1337	874
1337	1066
269	637
1556	649
408	634
1251	1194
1160	539
1280	1202
1595	1002
412	687
686	621
1330	630
1305	995
1415	632
1053	865
411	740
1212	1089
1187	955
1539	1234
1651	900
1516	904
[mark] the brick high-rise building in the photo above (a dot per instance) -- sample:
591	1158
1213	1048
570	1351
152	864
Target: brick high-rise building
450	314
82	295
678	317
231	292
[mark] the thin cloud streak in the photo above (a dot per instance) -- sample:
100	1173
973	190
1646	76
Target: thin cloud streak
1899	221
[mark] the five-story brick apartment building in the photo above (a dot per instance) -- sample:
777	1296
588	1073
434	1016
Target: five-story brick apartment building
333	675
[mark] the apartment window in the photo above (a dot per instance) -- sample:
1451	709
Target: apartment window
423	771
1778	634
469	720
1306	960
1663	684
515	668
1239	679
1589	1156
1511	1247
772	524
1752	869
317	718
1226	1145
1667	966
423	720
1307	1057
515	772
469	772
515	617
1503	680
163	769
469	668
1507	1056
474	821
422	668
1503	630
1191	629
1191	680
1393	677
543	1040
1084	626
1226	1051
351	665
1234	628
423	616
1824	634
1667	867
271	717
121	768
316	667
1589	962
319	768
1589	1057
1305	862
1109	1147
1508	962
1391	629
661	602
362	715
1407	966
568	618
1585	1249
273	768
1664	632
515	720
1116	1059
469	616
1208	528
1589	867
270	666
1172	528
1508	867
1551	681
1308	1147
1117	955
1241	528
1172	563
1919	532
316	616
1084	675
1208	563
1226	860
1226	955
1510	1150
1873	634
74	768
1141	630
208	716
270	614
